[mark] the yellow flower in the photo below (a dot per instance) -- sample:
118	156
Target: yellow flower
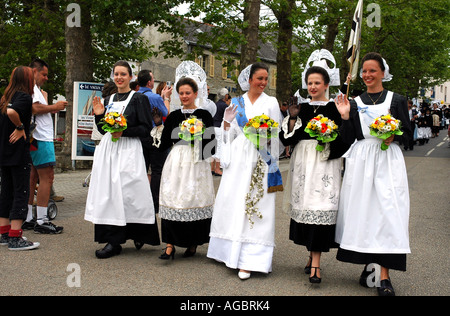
265	117
255	125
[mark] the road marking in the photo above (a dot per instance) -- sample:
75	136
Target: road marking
428	153
440	144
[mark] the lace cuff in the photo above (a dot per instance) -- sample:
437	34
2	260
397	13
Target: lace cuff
285	126
156	133
324	154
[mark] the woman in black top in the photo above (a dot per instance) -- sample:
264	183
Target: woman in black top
119	200
372	224
314	179
187	193
15	159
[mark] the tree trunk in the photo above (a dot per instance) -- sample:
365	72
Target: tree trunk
330	36
79	67
284	51
249	49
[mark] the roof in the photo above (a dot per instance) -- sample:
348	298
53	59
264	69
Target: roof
266	52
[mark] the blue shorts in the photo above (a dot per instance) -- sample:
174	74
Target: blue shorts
44	156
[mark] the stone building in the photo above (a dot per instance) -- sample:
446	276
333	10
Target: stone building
218	76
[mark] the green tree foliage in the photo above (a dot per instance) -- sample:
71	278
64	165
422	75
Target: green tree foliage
30	29
413	38
27	31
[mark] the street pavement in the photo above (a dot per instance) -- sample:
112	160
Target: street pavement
66	264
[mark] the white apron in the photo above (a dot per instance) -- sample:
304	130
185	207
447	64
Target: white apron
187	188
119	191
373	212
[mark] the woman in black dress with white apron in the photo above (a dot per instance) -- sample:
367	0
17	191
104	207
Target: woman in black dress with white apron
186	198
373	216
119	200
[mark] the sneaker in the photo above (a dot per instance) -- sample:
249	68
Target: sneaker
48	228
29	225
4	239
18	243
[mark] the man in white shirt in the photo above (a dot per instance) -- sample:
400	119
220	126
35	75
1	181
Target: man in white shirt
44	157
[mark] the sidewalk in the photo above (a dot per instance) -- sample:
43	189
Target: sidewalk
48	270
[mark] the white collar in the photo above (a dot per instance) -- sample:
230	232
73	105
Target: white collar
320	103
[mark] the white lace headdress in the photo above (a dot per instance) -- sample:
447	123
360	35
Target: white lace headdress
319	58
387	75
244	77
190	69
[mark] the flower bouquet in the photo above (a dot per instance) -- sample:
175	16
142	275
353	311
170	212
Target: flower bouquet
323	129
259	127
191	129
384	127
113	122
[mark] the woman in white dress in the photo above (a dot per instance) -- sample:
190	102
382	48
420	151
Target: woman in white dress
119	200
372	223
235	241
314	179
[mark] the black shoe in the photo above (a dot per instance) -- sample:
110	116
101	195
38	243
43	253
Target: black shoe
364	276
166	256
315	278
138	244
307	268
188	253
29	225
48	228
385	288
108	251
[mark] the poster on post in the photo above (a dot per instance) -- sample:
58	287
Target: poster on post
83	144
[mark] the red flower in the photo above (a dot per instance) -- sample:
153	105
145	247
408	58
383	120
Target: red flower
264	125
324	127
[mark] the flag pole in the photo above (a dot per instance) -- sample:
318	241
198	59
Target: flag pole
354	41
351	70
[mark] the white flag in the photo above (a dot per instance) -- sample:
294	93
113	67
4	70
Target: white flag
354	41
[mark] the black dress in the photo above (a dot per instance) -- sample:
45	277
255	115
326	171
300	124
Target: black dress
316	237
139	124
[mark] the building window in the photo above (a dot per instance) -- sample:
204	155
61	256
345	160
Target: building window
202	60
230	69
